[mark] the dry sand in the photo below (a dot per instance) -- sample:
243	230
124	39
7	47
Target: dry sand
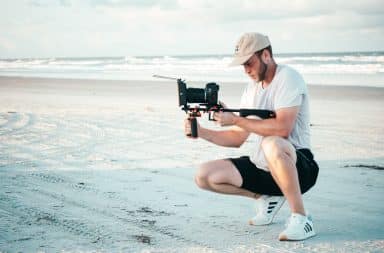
104	166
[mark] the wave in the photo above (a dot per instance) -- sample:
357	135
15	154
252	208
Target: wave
192	67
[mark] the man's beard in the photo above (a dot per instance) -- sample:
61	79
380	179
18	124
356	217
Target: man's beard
261	74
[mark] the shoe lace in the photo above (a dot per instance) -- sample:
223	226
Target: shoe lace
292	220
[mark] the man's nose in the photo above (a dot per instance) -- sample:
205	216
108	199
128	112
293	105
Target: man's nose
247	69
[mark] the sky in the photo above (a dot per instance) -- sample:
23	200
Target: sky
96	28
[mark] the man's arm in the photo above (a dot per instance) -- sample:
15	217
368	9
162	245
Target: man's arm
233	137
281	125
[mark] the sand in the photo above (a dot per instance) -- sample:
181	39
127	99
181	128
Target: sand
103	166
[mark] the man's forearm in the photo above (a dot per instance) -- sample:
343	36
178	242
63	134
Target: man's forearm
266	127
226	138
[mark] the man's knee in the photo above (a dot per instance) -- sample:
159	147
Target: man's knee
275	148
202	175
213	173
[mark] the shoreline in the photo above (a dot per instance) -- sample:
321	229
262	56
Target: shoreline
168	88
201	83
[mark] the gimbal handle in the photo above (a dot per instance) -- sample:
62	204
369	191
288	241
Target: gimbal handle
192	118
193	121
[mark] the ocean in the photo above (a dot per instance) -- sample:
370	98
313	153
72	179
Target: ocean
350	69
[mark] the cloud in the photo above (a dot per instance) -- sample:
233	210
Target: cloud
45	3
65	3
134	3
243	10
38	3
5	44
117	27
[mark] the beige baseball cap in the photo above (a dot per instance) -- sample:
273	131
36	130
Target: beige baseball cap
248	44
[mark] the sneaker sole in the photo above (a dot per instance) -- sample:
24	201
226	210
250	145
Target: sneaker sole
285	238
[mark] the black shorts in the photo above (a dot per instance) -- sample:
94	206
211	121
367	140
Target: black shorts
260	181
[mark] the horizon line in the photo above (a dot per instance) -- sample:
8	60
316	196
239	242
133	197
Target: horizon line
189	55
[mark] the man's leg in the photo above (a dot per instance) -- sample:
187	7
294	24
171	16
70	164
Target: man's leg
222	176
281	158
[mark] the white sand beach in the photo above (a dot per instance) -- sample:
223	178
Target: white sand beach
104	166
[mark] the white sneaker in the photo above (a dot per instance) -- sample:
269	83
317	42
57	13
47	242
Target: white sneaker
299	227
267	207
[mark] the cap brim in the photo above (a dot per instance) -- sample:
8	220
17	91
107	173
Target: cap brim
240	60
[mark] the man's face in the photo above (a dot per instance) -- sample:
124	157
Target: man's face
255	68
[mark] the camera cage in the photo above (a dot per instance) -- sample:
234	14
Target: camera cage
210	104
204	97
182	90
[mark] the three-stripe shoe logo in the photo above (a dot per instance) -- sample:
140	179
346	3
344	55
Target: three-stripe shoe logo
307	227
271	206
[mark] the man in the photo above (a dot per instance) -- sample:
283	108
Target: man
281	166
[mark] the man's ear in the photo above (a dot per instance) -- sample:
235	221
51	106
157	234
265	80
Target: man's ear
265	56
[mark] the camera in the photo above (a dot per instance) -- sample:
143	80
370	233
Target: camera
207	100
207	96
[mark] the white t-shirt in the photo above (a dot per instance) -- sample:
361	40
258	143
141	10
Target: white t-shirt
287	89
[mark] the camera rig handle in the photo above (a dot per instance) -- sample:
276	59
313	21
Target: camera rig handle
264	114
192	114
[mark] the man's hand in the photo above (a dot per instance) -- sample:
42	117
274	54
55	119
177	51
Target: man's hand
224	118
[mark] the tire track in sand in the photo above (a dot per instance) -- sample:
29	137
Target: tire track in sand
133	218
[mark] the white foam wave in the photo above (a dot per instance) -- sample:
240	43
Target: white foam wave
193	67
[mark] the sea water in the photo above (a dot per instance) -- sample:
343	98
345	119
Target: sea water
352	68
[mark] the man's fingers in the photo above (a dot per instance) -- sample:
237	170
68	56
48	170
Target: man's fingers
217	116
214	115
222	104
187	125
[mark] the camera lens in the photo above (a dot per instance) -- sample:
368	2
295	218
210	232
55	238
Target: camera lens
211	90
195	95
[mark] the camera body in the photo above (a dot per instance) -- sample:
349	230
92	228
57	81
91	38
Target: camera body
207	96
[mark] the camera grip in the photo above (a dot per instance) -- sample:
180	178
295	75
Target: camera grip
193	127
